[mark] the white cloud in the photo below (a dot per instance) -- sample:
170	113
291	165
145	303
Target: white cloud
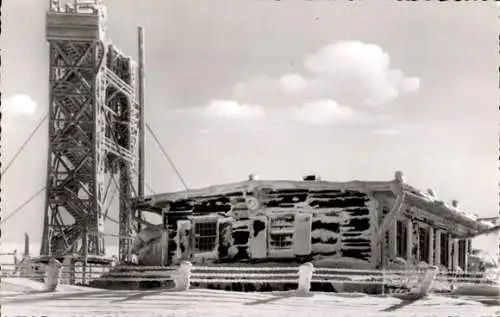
20	104
322	112
231	109
345	73
356	69
292	83
348	57
353	73
409	84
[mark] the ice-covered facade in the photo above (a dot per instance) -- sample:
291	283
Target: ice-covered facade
353	224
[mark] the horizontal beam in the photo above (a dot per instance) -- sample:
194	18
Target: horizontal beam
273	185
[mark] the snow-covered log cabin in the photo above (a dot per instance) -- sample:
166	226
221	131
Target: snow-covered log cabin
357	224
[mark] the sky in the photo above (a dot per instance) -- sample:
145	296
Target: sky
281	89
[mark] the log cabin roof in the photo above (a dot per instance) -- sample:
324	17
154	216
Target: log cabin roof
413	196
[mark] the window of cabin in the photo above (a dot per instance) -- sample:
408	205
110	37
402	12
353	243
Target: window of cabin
423	240
462	253
281	232
205	235
444	249
401	239
281	241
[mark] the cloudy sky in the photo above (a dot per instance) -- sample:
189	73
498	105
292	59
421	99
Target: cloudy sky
282	88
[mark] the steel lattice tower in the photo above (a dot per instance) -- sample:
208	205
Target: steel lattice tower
93	132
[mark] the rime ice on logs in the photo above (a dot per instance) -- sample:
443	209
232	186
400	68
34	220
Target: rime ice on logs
332	223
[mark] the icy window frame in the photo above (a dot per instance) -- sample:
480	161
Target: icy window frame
205	234
280	231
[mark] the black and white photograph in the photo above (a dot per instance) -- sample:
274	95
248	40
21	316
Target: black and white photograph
249	158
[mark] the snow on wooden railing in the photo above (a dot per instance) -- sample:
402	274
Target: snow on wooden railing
186	274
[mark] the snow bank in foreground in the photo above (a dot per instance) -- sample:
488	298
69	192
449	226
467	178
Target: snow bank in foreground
478	290
23	285
212	303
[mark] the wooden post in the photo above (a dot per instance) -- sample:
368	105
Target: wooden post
305	276
437	248
393	243
455	254
468	247
450	252
141	92
409	241
431	245
164	236
183	276
384	253
85	255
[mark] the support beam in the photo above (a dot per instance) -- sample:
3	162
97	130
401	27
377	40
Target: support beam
431	245
468	249
437	247
164	236
409	241
397	188
393	244
455	254
450	252
141	92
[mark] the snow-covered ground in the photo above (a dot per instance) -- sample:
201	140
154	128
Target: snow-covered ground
20	297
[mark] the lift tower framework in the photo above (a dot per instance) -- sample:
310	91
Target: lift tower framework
93	133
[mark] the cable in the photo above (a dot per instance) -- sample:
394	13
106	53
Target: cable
149	188
23	205
167	156
24	144
112	219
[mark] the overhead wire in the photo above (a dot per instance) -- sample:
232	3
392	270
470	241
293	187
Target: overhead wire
167	156
24	144
22	205
28	139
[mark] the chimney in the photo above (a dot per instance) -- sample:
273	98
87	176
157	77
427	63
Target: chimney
399	176
431	192
253	177
312	177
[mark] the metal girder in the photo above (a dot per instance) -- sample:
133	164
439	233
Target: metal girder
92	127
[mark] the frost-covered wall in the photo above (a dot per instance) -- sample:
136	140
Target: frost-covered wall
309	220
425	233
281	224
340	226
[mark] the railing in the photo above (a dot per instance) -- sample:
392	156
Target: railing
119	84
75	6
186	274
117	149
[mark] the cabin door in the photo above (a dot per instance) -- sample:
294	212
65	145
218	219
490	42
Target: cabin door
258	238
302	234
183	240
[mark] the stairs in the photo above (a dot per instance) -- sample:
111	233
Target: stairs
136	279
70	141
73	135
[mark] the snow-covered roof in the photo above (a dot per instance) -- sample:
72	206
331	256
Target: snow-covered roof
251	185
413	196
